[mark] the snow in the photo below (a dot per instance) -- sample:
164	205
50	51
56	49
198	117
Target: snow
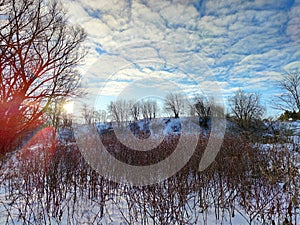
117	207
170	126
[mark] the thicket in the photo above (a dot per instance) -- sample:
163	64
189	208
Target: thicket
261	185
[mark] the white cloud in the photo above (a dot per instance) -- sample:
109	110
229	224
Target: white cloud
179	14
96	28
235	43
292	66
293	29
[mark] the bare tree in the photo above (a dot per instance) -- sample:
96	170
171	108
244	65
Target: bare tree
87	114
203	108
92	116
144	107
149	109
100	116
54	112
135	108
290	99
119	111
246	108
39	52
155	109
174	103
152	108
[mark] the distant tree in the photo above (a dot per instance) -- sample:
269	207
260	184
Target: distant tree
100	116
92	116
87	114
203	108
218	111
289	115
66	119
144	107
154	108
39	52
119	111
174	103
54	112
246	108
135	109
149	109
290	98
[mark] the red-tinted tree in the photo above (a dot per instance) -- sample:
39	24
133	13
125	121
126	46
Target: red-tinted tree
39	52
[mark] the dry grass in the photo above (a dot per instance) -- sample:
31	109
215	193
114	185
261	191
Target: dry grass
259	185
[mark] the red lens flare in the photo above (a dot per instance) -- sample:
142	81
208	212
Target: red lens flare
39	150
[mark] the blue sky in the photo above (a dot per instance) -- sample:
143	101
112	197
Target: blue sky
142	48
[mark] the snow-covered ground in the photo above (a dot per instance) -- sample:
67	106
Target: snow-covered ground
21	202
166	126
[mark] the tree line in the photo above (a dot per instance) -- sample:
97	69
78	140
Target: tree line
174	105
245	108
39	53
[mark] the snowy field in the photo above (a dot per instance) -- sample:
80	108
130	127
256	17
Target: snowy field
247	184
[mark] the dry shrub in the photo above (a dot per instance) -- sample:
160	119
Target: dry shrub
260	185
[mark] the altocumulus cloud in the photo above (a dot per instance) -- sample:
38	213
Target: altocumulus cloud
246	44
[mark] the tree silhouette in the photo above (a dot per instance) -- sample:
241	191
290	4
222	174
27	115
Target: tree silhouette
289	99
39	52
246	108
174	103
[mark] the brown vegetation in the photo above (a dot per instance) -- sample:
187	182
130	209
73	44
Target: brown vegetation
258	185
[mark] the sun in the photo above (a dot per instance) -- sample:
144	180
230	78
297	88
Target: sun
69	107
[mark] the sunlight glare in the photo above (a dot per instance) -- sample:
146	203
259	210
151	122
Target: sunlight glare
68	107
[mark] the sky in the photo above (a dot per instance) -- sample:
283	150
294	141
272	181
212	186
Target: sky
140	48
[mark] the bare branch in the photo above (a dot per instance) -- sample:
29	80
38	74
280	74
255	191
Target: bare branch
246	108
290	98
174	103
39	52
